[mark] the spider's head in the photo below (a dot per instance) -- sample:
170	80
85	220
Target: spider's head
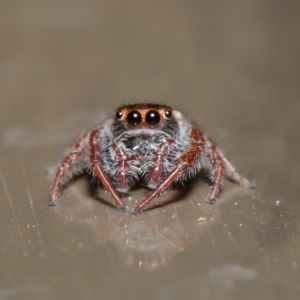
150	117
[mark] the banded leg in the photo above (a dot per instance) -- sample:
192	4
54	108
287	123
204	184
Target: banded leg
183	163
97	168
124	178
155	174
232	174
68	168
217	171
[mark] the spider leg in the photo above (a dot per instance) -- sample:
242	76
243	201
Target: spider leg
68	168
217	171
221	165
155	174
97	168
232	174
124	179
187	159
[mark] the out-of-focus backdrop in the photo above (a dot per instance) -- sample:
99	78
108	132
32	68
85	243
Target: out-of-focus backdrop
233	66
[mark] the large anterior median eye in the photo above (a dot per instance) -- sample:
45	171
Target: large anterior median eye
152	118
134	118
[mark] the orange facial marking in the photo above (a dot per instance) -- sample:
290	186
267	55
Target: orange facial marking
143	115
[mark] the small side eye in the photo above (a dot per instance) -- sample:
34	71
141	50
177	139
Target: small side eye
119	115
168	114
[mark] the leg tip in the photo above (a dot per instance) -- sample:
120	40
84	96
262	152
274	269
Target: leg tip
211	200
252	184
135	211
52	202
124	209
249	184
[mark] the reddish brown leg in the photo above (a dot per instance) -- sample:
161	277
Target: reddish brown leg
98	169
183	163
155	173
161	188
232	174
217	176
123	182
67	168
221	165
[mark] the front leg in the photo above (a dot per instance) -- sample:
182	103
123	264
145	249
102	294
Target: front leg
97	168
187	160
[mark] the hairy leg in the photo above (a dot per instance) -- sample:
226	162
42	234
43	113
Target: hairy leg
217	171
157	171
187	160
68	168
124	177
97	168
232	174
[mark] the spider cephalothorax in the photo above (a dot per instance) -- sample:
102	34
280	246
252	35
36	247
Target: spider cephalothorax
149	144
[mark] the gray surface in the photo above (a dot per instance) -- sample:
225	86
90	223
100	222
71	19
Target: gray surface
232	66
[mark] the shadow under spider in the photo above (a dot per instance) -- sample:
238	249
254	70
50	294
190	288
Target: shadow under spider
182	190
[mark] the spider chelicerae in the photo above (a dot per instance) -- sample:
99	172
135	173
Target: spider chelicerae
151	144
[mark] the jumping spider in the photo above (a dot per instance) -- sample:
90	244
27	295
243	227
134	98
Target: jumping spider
147	143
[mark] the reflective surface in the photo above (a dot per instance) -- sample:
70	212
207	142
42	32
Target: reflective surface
234	68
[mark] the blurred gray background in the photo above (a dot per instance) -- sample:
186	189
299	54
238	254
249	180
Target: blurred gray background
233	66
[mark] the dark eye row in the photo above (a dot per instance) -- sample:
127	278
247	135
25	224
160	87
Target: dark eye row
152	117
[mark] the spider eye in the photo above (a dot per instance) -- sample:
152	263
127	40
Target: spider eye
119	115
134	118
152	118
168	114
